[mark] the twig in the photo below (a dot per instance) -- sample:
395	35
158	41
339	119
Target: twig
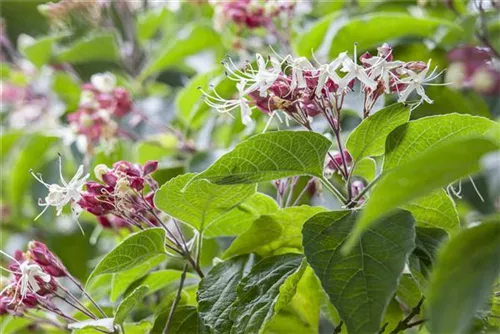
364	191
176	300
382	329
338	328
405	323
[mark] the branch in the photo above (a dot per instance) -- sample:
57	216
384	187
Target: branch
338	328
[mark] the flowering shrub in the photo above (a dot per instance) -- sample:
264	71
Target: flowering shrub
250	166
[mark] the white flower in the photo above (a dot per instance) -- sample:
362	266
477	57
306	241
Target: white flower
300	65
222	105
381	68
60	195
103	82
260	79
329	71
354	71
415	82
27	282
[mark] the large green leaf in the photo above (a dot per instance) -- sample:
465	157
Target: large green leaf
269	233
361	284
149	22
435	210
269	287
122	280
239	219
129	303
434	168
217	292
132	252
463	278
200	203
95	47
414	138
197	39
270	156
368	139
372	30
67	88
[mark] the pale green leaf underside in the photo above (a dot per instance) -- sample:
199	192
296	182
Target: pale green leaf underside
122	280
270	233
463	278
270	156
129	303
198	202
132	252
361	283
239	219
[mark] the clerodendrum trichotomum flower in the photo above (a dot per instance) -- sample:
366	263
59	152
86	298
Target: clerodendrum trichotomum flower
301	90
65	193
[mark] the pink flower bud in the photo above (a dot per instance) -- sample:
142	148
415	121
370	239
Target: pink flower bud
110	179
150	167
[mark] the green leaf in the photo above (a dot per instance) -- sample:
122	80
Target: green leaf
269	233
361	284
435	210
143	327
184	321
132	252
463	278
197	39
162	279
269	287
40	52
372	30
448	100
312	39
67	88
365	168
432	169
32	155
96	47
150	21
10	324
270	156
239	219
368	139
192	110
199	203
415	137
217	292
129	303
122	280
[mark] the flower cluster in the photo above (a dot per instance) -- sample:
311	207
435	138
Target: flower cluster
101	105
60	13
33	283
475	68
119	199
302	90
250	14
